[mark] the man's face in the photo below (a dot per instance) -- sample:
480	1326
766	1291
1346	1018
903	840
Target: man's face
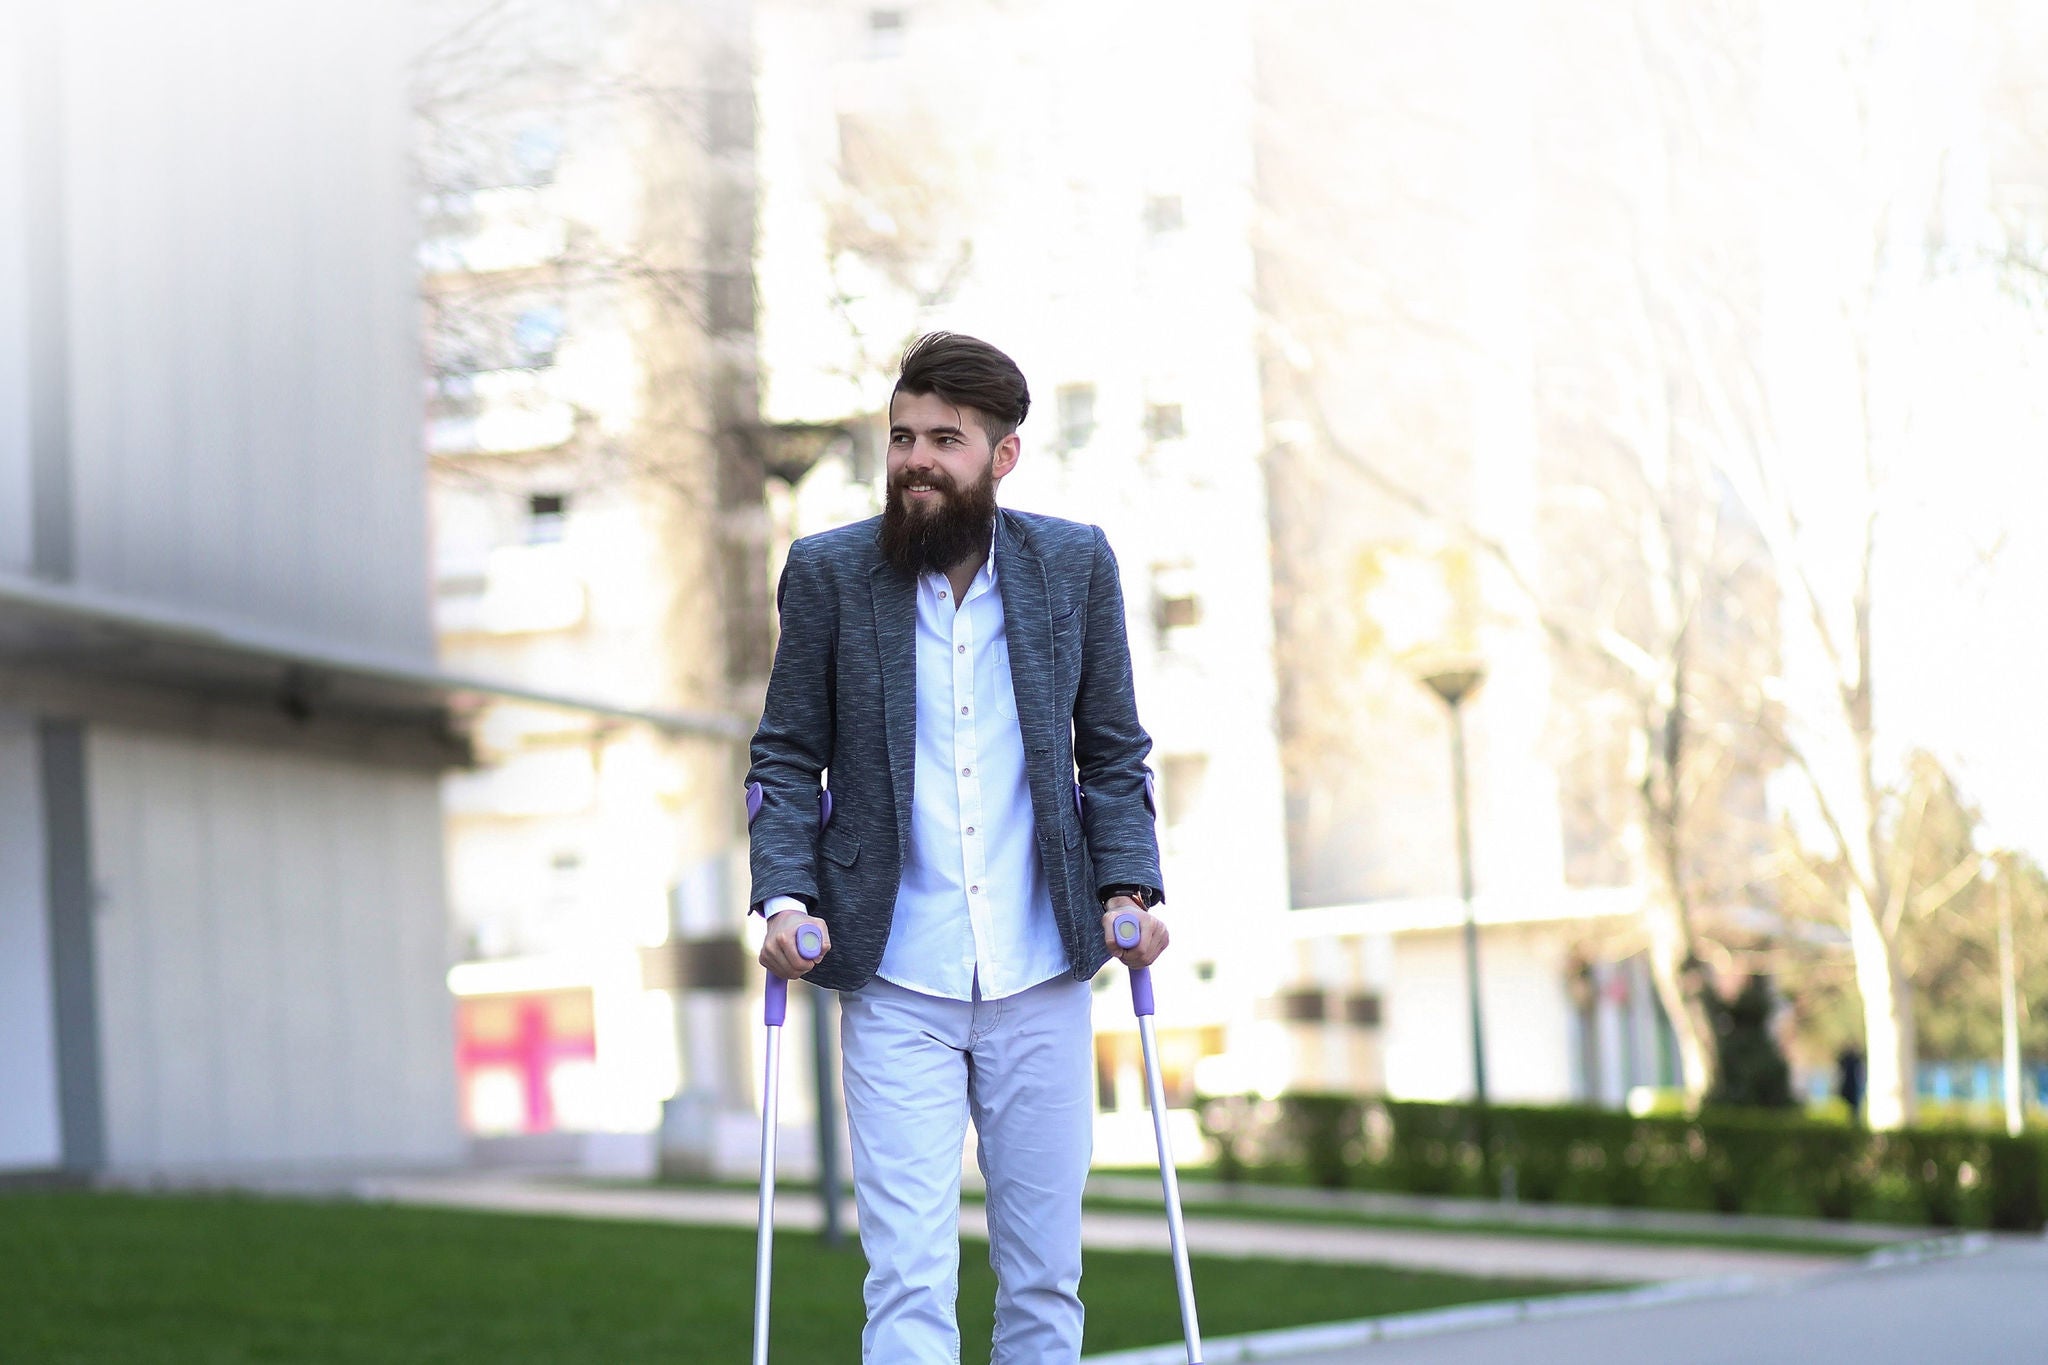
937	451
941	507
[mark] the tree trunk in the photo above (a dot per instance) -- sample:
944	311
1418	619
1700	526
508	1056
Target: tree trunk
1888	1039
1674	968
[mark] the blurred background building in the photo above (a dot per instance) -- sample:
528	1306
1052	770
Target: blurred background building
223	935
595	474
404	413
1095	224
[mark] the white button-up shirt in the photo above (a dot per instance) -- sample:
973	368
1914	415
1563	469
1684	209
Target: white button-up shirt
973	908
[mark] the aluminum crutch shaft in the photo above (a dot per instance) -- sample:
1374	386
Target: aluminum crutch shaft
1125	927
810	945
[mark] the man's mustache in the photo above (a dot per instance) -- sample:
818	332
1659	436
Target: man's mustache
937	478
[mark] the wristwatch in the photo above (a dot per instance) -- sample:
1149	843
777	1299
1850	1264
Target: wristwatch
1146	896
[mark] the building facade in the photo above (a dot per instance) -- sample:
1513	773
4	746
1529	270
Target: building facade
222	923
595	478
1093	220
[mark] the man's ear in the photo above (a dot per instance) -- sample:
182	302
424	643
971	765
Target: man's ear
1006	453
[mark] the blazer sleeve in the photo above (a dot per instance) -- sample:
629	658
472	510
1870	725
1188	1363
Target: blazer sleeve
793	744
1109	744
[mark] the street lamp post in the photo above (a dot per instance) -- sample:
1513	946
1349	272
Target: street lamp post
1455	686
2009	1002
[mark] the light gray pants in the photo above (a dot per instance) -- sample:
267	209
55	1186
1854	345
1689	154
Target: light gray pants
916	1066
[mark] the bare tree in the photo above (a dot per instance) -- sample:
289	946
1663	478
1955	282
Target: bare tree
1643	576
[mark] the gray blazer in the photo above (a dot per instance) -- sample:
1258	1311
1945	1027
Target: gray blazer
843	699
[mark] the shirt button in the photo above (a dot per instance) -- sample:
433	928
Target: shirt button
967	772
962	649
942	594
970	829
974	891
965	709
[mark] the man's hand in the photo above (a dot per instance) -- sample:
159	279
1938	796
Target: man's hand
1152	935
778	952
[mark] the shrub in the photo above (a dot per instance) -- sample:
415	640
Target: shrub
1737	1160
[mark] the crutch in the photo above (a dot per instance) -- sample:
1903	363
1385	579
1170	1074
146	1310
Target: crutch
810	946
1125	927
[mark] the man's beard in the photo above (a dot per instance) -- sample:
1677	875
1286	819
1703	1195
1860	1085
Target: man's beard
933	539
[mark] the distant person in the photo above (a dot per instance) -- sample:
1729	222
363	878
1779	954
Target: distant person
1849	1080
953	665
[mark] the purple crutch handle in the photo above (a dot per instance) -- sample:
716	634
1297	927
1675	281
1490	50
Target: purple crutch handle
810	946
1125	927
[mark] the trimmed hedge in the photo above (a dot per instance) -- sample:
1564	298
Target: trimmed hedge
1726	1160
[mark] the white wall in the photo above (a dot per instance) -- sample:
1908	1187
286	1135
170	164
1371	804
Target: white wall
29	1131
272	958
244	353
15	493
1530	1034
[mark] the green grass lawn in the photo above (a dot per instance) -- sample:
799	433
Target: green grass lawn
132	1279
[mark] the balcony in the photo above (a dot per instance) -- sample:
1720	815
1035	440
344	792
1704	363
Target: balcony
476	232
499	412
525	590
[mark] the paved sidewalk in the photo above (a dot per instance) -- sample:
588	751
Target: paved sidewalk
1450	1212
1483	1254
1989	1307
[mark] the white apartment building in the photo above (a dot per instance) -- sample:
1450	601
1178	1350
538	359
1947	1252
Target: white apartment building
595	486
1013	174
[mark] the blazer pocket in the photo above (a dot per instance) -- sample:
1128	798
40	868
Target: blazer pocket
840	848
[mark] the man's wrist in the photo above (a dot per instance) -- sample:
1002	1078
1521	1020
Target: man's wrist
1145	896
775	905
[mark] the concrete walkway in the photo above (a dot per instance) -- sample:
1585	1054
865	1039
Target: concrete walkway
1482	1254
1450	1212
1989	1307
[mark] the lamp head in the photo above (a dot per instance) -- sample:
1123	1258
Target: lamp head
1454	685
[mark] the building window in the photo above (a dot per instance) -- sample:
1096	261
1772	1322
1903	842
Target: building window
729	121
1185	775
1175	603
536	153
1362	1009
1305	1006
1163	422
730	305
1162	213
885	33
535	336
547	515
1077	415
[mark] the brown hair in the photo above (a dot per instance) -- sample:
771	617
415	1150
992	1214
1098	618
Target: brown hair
970	374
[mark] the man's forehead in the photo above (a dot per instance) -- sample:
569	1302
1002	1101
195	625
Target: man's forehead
939	415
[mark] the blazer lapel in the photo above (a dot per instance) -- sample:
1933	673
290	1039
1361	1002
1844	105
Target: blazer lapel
895	606
1027	624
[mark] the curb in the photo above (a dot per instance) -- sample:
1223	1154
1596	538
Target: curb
1280	1343
1330	1336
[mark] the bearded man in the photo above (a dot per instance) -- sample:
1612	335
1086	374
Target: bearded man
953	666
